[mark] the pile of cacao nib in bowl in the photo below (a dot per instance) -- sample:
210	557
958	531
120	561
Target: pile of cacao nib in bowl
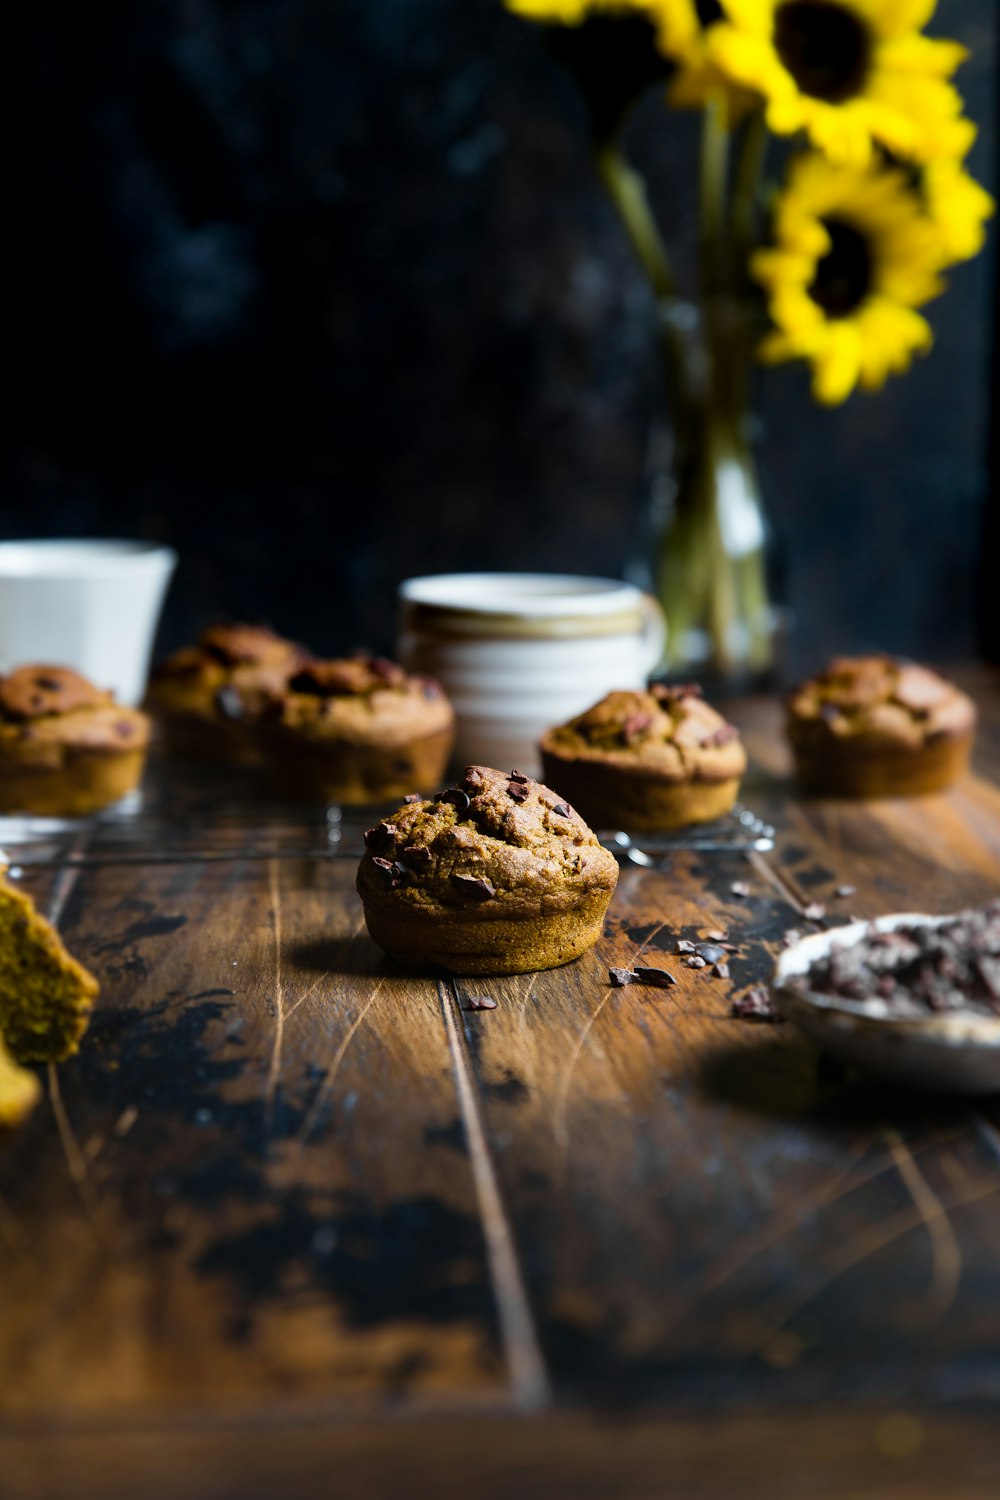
916	969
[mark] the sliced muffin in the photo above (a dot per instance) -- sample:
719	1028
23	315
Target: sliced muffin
497	875
649	761
872	726
45	994
66	747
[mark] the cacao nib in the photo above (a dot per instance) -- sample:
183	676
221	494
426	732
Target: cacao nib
659	978
478	1002
754	1005
476	886
618	978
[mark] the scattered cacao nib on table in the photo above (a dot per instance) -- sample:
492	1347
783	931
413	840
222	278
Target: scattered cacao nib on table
478	1002
659	978
917	970
712	953
755	1005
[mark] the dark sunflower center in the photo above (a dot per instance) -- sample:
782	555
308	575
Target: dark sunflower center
825	48
844	275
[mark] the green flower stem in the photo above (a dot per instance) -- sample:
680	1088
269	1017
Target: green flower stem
713	176
749	170
712	574
627	191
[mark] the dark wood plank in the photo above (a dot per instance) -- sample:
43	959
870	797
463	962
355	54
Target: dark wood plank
285	1178
252	1180
704	1213
890	1454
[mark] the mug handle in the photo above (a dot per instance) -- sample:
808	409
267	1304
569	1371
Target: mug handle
654	634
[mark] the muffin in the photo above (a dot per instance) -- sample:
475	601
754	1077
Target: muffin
649	761
358	730
208	698
497	875
66	747
20	1091
45	995
870	726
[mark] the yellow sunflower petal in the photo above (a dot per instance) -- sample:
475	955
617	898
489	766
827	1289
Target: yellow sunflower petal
923	55
894	92
837	366
756	17
855	255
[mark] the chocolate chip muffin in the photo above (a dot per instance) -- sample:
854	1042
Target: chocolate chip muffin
648	761
497	875
358	730
45	994
208	698
871	726
66	747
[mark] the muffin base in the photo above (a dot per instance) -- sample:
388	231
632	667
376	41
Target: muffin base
610	797
485	945
218	741
83	783
356	774
880	770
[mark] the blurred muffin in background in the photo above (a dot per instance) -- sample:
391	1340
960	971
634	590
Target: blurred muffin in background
208	699
650	761
356	730
872	726
66	747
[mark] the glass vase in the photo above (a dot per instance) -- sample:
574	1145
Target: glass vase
714	571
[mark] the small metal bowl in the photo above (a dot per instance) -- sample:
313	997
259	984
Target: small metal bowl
953	1053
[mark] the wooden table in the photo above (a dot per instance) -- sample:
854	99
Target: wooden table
296	1223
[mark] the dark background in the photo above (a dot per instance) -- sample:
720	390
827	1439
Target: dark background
323	292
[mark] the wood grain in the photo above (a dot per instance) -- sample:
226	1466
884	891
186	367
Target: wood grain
286	1183
274	1194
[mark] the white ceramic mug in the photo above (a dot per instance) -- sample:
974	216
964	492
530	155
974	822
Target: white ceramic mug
90	605
519	652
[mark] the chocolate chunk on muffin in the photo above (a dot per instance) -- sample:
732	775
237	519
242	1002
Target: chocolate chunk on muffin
66	747
497	875
649	761
871	726
358	730
208	698
45	994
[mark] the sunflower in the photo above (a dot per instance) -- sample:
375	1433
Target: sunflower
849	72
957	207
854	257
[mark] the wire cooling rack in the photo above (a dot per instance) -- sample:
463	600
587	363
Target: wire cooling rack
211	816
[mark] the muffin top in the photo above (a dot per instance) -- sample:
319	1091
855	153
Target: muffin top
361	699
670	732
497	844
41	704
232	672
877	700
